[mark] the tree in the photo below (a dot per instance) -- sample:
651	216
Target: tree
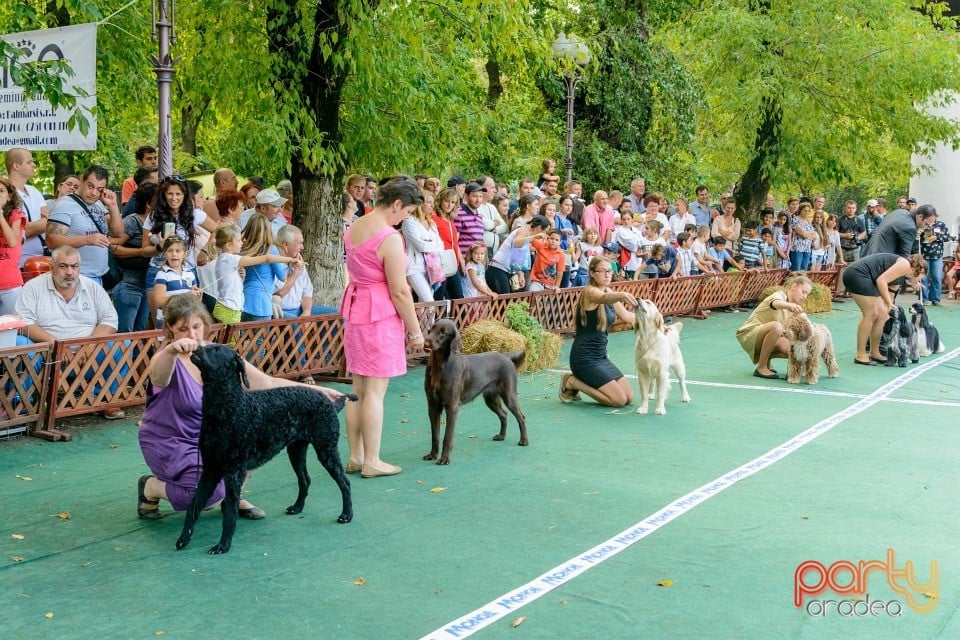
815	92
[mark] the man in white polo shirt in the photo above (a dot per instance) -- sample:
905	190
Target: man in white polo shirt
63	304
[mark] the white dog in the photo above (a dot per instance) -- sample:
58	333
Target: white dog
657	354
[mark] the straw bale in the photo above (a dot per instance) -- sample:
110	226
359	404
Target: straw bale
819	300
490	335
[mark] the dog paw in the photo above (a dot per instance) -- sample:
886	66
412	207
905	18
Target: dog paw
294	509
443	460
661	411
642	409
219	548
345	518
184	540
685	398
430	456
523	442
498	437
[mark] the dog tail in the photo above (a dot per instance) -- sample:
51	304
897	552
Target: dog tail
342	400
675	326
517	357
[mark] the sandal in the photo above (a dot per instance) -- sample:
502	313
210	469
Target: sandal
308	380
567	395
147	513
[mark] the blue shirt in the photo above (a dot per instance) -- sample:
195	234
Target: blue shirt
258	286
701	214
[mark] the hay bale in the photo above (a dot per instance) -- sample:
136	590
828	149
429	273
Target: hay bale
819	300
490	335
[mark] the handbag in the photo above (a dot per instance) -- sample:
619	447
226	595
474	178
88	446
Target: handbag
448	260
435	271
516	281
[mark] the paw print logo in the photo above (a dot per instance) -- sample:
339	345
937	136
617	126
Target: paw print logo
26	46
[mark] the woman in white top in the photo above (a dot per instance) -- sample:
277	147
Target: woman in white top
423	244
680	219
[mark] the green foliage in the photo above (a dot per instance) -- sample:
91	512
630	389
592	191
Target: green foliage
519	319
848	78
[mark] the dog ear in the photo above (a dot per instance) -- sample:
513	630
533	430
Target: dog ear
242	370
658	320
456	344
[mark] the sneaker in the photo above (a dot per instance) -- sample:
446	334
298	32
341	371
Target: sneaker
936	304
926	303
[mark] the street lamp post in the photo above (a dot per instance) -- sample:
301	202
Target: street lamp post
164	33
575	56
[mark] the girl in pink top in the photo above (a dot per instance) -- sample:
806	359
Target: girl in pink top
377	310
12	220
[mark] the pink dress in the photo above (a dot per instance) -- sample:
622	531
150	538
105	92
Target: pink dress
373	341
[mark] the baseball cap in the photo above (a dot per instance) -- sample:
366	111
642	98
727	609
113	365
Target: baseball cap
473	187
612	247
911	200
455	180
270	196
872	203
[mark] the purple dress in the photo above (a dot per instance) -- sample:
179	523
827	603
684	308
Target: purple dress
170	437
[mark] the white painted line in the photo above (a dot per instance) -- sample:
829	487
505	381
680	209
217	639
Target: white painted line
510	602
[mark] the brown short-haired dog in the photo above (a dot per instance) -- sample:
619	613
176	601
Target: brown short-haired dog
453	379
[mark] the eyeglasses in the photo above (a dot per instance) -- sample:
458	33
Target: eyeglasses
175	178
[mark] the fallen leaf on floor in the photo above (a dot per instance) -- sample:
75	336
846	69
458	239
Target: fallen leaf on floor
437	489
419	481
63	516
804	517
665	583
17	558
118	548
17	536
927	594
158	633
48	615
360	582
437	592
23	477
472	437
405	421
563	603
114	446
519	621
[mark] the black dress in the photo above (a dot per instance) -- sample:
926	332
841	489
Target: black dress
588	355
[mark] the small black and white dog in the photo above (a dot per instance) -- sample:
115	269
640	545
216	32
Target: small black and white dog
928	338
899	340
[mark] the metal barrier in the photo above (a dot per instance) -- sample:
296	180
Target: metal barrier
44	382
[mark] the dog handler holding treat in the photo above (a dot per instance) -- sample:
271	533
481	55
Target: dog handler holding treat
761	336
869	280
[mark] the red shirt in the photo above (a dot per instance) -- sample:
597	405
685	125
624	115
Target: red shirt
10	275
447	230
548	265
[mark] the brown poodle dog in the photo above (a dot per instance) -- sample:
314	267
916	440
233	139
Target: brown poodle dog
809	341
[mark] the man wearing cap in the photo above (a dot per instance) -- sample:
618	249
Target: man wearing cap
871	218
933	233
911	204
270	204
457	182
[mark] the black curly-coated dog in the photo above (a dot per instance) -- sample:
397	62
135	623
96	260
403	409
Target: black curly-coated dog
242	430
453	379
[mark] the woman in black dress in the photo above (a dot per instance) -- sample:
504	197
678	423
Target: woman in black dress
591	370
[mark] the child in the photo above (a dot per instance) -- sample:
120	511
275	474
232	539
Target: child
574	252
768	249
651	238
686	262
953	275
590	248
781	239
663	258
750	245
475	284
700	253
172	278
229	262
12	221
720	254
611	252
547	270
547	171
834	255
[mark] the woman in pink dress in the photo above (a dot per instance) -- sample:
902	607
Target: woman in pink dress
377	309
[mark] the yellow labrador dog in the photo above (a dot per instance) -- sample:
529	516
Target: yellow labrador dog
658	354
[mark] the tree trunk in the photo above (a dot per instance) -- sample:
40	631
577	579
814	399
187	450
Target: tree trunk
494	86
64	163
313	70
190	118
752	188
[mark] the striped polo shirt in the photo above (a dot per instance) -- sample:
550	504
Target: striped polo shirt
470	227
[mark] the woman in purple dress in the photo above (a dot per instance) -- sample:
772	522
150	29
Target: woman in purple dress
170	428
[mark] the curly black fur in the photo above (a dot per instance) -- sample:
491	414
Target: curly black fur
242	430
